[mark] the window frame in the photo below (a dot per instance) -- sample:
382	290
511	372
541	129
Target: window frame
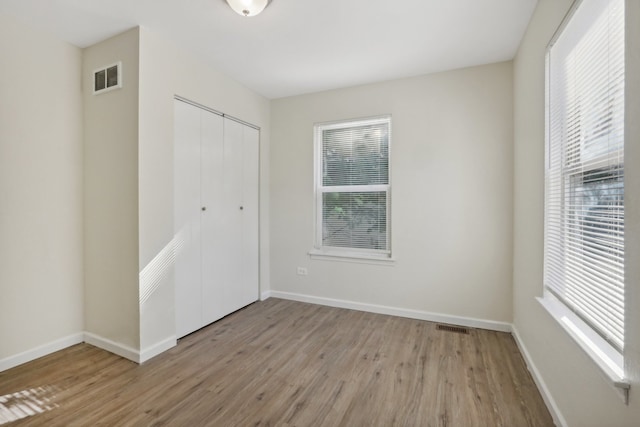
606	356
321	251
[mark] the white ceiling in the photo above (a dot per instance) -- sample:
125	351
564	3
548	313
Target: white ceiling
302	46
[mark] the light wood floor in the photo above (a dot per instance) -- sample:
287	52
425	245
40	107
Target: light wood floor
283	363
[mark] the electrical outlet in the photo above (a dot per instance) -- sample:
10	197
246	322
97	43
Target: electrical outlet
302	271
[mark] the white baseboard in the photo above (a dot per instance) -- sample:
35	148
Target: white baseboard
112	346
394	311
558	419
265	295
42	350
89	338
157	348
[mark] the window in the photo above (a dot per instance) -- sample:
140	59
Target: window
352	188
584	180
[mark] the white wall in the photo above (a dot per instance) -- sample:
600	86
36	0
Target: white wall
581	394
121	292
40	191
165	71
451	165
111	195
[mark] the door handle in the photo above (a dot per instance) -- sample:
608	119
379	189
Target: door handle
204	208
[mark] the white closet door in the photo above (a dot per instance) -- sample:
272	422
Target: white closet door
187	218
250	215
233	213
216	216
213	250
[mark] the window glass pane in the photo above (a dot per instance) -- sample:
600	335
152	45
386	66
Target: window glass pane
594	251
356	155
355	220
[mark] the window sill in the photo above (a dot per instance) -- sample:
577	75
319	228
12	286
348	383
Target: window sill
607	358
355	257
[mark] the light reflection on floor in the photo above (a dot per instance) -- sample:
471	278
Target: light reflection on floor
27	403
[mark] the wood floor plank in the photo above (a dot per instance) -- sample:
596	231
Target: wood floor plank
284	363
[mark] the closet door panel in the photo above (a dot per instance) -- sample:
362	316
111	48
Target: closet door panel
212	196
187	225
250	214
233	213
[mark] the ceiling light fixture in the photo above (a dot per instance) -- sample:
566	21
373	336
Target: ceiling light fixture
248	7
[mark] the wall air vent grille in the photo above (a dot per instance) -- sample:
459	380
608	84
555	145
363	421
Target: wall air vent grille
107	78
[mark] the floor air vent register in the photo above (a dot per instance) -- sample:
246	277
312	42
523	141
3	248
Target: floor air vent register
451	328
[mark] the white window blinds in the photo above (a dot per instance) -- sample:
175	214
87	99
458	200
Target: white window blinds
352	185
584	181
